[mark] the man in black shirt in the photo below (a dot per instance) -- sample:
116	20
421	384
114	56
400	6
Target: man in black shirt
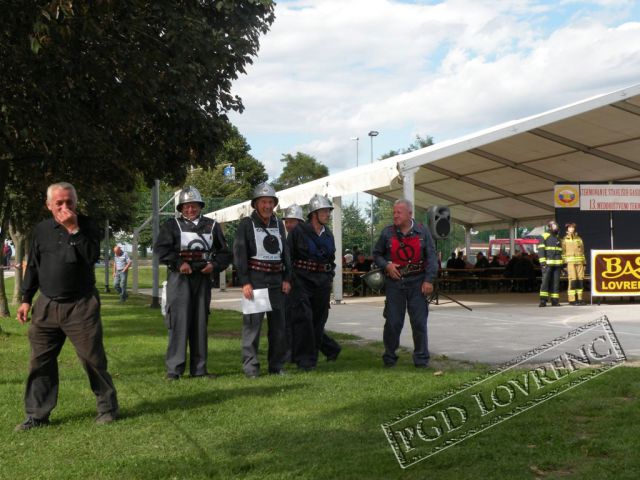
61	264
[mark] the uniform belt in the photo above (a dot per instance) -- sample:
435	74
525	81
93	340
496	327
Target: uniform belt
190	255
264	266
313	266
412	269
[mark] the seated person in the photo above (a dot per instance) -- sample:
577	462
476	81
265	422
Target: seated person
452	260
362	264
481	261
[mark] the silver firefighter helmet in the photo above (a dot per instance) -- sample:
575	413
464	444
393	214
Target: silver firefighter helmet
263	190
293	211
374	279
318	202
187	195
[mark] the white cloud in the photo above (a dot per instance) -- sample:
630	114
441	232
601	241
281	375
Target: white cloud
329	70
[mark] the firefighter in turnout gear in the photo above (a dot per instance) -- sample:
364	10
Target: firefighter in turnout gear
193	247
573	256
550	253
261	256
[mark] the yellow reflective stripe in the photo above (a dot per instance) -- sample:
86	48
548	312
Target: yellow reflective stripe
554	262
544	294
555	295
553	248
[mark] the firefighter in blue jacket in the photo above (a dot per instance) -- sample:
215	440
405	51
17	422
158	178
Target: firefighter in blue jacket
313	253
406	253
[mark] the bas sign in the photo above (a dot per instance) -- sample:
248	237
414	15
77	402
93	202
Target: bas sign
615	272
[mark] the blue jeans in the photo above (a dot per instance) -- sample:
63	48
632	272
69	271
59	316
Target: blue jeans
402	296
120	284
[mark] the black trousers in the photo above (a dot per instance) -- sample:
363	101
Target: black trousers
309	313
550	287
51	323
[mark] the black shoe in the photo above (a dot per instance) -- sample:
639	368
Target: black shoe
172	377
555	304
31	423
306	368
542	303
280	372
422	365
581	302
107	417
252	375
333	358
389	365
574	303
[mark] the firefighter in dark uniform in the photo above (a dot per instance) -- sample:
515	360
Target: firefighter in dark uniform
550	254
406	253
328	346
313	258
261	257
193	247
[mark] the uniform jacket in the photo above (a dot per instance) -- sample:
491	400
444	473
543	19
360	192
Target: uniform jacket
573	249
305	244
382	249
550	250
245	247
168	246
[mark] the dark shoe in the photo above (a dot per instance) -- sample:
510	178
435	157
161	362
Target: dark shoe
172	377
542	303
333	358
305	369
31	423
280	372
581	302
574	303
252	375
555	304
389	365
422	365
106	417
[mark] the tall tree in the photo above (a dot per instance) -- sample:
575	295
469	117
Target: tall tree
299	168
222	190
99	91
355	229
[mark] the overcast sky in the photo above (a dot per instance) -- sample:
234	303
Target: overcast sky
330	70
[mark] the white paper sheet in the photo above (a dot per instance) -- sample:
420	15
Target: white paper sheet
259	304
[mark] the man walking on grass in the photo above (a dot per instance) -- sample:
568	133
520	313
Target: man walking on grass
61	265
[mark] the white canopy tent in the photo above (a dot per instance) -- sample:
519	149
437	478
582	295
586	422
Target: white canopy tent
499	177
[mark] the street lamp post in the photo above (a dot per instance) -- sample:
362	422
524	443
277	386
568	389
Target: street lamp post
357	140
372	133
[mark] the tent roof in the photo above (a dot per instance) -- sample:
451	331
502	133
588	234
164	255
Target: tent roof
503	174
507	173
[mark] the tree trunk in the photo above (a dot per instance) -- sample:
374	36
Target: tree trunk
4	221
20	244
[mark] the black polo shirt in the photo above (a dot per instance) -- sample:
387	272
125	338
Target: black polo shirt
62	265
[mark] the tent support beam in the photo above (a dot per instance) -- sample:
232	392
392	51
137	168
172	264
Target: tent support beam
517	166
491	188
581	147
457	201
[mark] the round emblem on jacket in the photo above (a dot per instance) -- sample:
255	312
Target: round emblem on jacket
271	244
197	244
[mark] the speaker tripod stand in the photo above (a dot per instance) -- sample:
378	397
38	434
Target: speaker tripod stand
434	297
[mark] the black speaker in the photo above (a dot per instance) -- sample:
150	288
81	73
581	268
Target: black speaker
439	221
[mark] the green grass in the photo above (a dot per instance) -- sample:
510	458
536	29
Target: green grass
323	424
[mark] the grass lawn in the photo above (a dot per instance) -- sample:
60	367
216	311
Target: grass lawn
323	424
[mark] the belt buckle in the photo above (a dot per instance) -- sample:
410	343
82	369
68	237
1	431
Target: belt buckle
327	267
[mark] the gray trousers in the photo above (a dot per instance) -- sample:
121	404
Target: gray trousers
188	301
251	327
51	323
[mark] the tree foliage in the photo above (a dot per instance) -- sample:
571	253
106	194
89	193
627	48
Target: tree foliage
97	92
355	229
299	168
220	190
